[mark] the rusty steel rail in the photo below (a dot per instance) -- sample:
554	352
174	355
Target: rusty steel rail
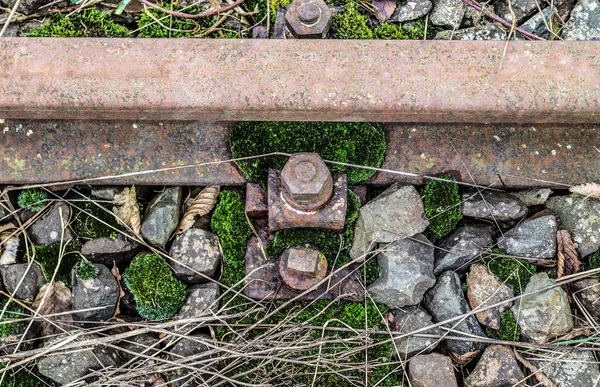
303	80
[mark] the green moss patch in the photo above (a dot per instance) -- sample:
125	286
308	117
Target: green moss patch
48	258
95	221
13	311
21	377
514	271
509	329
158	294
86	270
32	199
354	143
441	200
89	23
594	260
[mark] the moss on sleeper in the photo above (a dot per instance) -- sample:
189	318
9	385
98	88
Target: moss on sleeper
48	257
158	294
32	199
514	271
89	23
441	201
353	143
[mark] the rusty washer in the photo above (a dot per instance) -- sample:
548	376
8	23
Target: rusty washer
307	183
308	19
302	267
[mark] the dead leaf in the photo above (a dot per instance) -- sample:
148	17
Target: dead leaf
127	209
115	272
539	375
568	259
385	9
9	244
588	190
57	300
203	203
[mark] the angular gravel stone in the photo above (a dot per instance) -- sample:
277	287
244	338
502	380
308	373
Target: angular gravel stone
106	192
499	206
497	367
405	272
67	367
394	215
447	13
568	369
142	344
29	288
191	347
49	228
523	9
458	249
199	299
581	217
410	10
433	370
485	31
199	253
534	197
3	211
445	301
543	315
161	218
485	289
100	292
108	251
27	7
534	238
587	291
408	320
584	23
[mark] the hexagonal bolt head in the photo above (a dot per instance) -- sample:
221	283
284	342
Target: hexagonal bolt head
305	262
307	183
302	267
308	19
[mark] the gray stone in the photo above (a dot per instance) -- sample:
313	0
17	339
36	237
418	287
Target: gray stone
484	31
4	212
584	23
523	9
32	283
69	366
568	368
472	17
394	215
27	7
534	238
587	291
493	205
408	320
458	249
188	349
581	217
106	192
100	292
485	289
447	13
145	344
497	367
544	315
534	197
199	299
195	254
279	25
405	272
433	370
410	10
445	301
49	228
538	25
161	218
107	251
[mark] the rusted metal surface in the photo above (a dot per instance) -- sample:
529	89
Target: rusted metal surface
264	283
306	180
301	80
256	201
302	267
308	19
503	155
282	215
52	151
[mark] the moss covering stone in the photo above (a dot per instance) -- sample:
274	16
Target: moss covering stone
354	143
509	329
89	23
514	271
13	311
95	221
158	294
86	270
48	257
32	199
441	201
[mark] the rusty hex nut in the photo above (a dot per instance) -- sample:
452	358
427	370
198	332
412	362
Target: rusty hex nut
308	19
301	267
307	182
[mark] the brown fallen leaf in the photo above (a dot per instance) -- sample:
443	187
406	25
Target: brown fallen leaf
539	375
127	209
568	259
202	204
9	244
588	190
115	272
57	300
385	9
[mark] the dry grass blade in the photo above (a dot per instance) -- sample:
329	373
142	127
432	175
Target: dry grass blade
53	300
588	190
568	259
539	375
9	244
127	209
203	203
